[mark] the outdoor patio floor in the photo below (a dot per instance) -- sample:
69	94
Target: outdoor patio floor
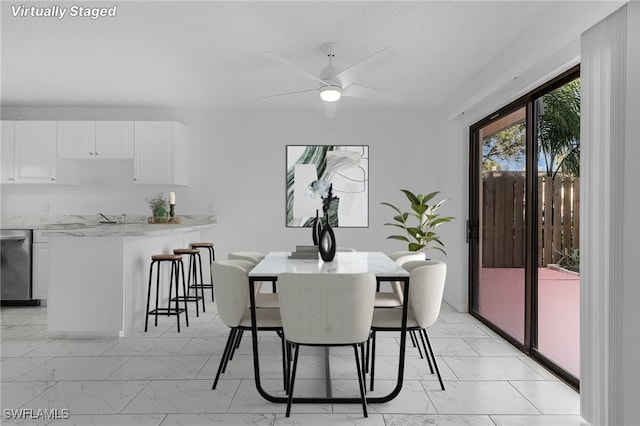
502	302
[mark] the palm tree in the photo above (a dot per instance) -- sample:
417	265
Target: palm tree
559	130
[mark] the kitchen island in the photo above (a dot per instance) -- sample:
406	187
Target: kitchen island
98	275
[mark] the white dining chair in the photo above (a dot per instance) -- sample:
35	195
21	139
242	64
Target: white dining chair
426	286
346	250
251	256
232	300
326	310
393	299
263	299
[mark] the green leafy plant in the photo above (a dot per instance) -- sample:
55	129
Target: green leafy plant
156	202
421	236
569	259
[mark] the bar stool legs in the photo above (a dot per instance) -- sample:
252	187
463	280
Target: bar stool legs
193	270
176	262
212	258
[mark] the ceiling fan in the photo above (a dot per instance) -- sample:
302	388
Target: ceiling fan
334	83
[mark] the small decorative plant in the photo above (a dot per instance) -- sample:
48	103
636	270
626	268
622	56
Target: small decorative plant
569	259
157	203
421	236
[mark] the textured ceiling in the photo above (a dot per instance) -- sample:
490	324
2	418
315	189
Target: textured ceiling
211	54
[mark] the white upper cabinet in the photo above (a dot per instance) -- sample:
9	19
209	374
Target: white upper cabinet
160	153
8	152
114	139
105	140
76	139
35	152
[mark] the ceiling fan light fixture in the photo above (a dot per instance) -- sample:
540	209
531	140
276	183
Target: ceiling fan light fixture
330	93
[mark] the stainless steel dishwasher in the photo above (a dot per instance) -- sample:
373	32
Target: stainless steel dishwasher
15	255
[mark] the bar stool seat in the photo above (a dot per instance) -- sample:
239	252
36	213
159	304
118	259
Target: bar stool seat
166	257
212	258
176	264
193	269
201	245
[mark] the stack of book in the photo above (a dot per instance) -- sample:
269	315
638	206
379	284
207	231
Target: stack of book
305	252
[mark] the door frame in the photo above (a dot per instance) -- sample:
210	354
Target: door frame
529	344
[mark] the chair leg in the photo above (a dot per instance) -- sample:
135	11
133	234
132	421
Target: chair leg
293	379
184	292
212	258
361	384
201	280
284	364
373	358
433	355
181	271
224	357
288	350
236	343
366	365
425	351
158	268
362	363
174	276
146	320
229	356
416	343
413	339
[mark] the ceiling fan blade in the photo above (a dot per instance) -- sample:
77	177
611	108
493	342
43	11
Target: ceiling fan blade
355	91
290	64
330	109
287	94
353	73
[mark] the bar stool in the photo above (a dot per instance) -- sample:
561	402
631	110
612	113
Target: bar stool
193	273
176	265
212	258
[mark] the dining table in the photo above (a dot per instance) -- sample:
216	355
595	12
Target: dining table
383	267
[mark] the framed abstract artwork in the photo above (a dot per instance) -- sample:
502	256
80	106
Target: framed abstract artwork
312	169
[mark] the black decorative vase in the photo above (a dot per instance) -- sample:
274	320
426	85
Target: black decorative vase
317	227
327	242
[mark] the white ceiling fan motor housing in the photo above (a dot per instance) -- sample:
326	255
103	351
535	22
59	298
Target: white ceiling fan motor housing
333	90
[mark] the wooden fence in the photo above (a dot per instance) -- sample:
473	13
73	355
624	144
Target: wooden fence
503	232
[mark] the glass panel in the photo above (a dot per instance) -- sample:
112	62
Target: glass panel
558	133
502	231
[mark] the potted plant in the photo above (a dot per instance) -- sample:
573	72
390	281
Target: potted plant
158	205
569	261
422	235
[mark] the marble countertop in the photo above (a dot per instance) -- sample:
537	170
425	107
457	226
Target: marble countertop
129	230
90	226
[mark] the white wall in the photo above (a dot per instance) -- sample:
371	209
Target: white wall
237	162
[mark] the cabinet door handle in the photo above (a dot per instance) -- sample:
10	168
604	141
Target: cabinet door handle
11	179
91	153
97	153
53	179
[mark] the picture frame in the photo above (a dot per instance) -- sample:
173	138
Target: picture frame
311	169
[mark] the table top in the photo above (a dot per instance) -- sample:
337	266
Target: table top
344	262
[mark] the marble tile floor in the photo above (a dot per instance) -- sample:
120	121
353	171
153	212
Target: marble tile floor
164	378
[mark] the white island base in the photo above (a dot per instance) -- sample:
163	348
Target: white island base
98	283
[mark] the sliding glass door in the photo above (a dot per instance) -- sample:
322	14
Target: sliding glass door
557	335
501	189
524	223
